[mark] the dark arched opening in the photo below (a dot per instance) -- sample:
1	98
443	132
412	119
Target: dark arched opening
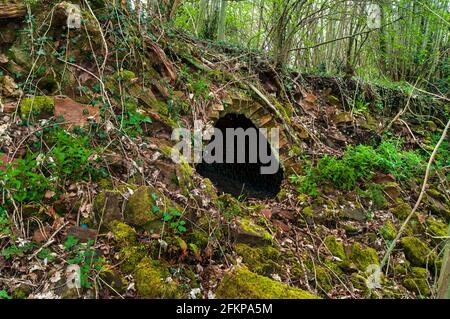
246	177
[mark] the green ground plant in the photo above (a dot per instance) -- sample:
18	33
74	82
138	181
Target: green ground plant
360	163
85	256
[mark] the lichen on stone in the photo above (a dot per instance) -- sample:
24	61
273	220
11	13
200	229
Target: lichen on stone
244	284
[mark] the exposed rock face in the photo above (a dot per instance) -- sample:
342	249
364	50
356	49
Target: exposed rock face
74	113
417	281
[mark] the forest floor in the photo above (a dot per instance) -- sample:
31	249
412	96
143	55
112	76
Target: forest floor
88	186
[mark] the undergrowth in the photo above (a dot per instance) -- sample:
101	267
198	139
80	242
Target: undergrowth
63	157
360	163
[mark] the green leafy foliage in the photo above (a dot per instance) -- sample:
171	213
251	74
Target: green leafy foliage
45	253
360	163
24	180
4	295
132	123
16	250
71	157
85	256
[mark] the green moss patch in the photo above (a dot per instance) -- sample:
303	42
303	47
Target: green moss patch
363	257
130	256
402	210
124	235
139	207
388	231
417	252
243	284
261	260
152	281
335	247
37	105
417	281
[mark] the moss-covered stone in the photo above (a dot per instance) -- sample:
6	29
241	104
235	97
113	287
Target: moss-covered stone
124	235
138	210
21	292
261	260
37	105
401	268
308	211
152	281
358	281
363	257
248	232
436	228
351	229
402	210
392	190
417	281
388	231
335	247
130	256
198	238
242	284
154	227
417	252
184	174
